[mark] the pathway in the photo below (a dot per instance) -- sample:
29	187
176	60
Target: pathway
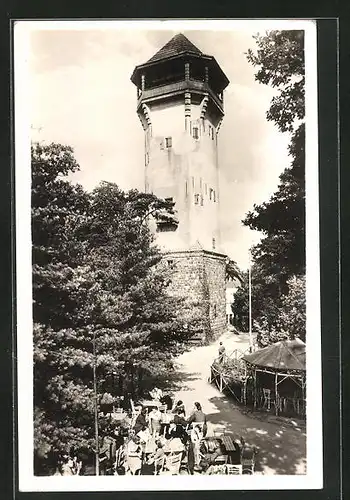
282	443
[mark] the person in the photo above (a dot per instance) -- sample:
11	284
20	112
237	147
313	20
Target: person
179	408
167	401
154	419
197	414
210	451
196	438
133	455
158	454
156	394
141	421
221	353
67	468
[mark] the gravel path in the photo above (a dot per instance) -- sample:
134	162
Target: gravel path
281	442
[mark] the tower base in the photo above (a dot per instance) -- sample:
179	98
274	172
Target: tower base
199	275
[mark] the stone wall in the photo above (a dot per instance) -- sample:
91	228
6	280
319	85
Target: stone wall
199	275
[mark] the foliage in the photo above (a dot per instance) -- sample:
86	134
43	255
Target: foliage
97	280
280	62
290	320
233	272
280	254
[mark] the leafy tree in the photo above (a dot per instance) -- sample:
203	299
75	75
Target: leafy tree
290	319
100	299
280	254
281	64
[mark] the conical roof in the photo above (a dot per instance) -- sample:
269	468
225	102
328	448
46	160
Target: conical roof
281	356
179	44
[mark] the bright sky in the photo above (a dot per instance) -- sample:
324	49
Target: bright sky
81	95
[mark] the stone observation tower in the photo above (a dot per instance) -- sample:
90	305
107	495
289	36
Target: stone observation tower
180	105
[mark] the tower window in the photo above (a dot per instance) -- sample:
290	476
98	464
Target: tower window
212	133
210	193
196	199
168	142
171	263
214	198
214	243
201	200
209	130
195	132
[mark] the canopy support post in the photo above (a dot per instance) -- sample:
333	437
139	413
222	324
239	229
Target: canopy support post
276	394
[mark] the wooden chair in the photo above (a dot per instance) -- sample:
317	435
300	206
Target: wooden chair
159	464
174	463
221	460
267	399
233	469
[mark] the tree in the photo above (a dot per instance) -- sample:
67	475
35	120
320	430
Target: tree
100	300
281	252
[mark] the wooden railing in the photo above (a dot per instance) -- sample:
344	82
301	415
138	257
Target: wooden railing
178	87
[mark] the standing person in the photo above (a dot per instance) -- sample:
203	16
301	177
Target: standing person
154	419
198	417
179	409
221	353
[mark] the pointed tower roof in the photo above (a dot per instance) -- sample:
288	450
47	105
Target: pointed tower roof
179	44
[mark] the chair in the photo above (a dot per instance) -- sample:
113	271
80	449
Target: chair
174	462
267	398
233	469
159	464
248	459
221	460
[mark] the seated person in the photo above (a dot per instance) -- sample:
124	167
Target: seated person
141	421
211	450
133	455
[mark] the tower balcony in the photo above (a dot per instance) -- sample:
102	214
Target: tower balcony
176	88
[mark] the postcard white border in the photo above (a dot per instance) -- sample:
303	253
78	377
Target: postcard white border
27	481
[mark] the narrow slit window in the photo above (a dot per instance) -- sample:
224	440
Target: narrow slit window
168	142
214	243
186	189
196	199
195	133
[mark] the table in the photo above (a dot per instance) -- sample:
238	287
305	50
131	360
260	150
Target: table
150	403
118	417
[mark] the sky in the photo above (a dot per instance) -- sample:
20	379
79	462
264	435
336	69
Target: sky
81	95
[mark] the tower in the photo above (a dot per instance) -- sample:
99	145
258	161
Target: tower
180	106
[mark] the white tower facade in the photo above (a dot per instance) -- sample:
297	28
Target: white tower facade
180	106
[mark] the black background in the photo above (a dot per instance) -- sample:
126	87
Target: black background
332	196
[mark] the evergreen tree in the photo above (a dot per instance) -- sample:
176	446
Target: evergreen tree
100	299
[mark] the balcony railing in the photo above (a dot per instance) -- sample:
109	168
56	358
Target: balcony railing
177	87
